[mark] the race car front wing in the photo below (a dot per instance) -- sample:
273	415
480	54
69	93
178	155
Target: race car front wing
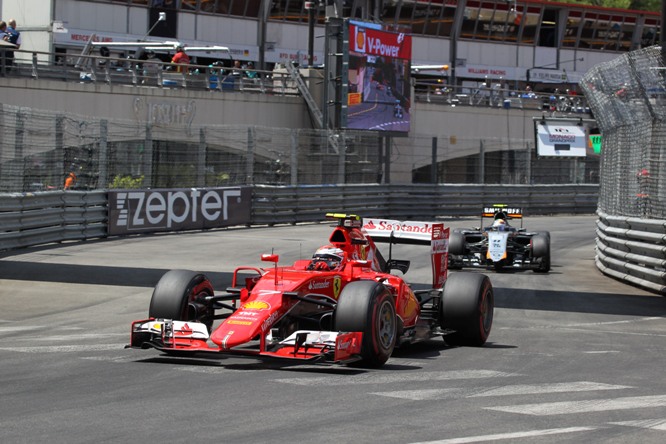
184	337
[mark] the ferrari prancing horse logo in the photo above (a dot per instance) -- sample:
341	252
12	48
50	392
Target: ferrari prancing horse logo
337	283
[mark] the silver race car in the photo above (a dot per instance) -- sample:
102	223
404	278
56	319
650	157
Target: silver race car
500	245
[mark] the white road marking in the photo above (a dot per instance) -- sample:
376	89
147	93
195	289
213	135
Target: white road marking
561	387
600	352
388	378
592	405
65	348
18	328
75	336
653	424
509	390
511	435
626	321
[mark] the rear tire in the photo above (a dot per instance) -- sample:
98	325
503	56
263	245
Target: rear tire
179	295
368	307
457	243
467	307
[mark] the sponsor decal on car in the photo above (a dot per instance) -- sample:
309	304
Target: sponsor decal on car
256	305
337	286
319	285
237	322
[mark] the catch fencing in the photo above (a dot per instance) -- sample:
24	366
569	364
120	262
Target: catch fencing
628	99
38	149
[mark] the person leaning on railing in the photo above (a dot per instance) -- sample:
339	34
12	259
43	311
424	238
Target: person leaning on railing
181	59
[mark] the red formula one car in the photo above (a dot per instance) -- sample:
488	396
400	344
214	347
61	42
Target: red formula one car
342	306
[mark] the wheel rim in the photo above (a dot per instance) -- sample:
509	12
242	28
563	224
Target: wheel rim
386	325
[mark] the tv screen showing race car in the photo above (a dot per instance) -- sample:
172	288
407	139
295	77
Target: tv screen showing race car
379	79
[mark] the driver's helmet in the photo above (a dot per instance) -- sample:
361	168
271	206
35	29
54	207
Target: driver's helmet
499	224
327	257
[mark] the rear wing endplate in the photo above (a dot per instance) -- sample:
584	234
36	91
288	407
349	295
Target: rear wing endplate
412	232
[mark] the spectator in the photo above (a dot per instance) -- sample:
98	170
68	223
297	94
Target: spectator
70	181
250	73
180	59
14	35
237	69
4	52
150	67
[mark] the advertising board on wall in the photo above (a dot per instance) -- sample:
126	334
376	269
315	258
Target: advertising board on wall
560	140
142	211
379	79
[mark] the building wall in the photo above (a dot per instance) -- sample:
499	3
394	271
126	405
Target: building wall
460	128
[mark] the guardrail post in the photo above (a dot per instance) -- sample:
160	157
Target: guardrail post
35	74
528	164
249	165
387	159
342	152
201	159
482	163
59	148
103	168
148	157
433	161
293	167
18	150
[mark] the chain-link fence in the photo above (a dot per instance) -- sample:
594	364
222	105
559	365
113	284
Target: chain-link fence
628	99
39	149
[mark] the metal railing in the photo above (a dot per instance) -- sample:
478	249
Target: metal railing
633	250
30	219
149	73
557	101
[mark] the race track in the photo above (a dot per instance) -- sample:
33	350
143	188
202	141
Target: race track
573	356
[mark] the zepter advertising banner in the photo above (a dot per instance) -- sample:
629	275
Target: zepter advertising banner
560	139
379	79
142	211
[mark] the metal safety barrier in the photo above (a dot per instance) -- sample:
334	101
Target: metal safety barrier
29	219
633	250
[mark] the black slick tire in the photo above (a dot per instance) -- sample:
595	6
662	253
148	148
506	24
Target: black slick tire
368	307
467	307
179	295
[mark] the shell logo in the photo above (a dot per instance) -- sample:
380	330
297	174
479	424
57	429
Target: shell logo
360	40
256	305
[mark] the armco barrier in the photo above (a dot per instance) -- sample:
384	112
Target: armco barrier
633	250
278	205
29	219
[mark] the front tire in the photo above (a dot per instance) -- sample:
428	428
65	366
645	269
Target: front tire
541	252
467	307
179	295
368	307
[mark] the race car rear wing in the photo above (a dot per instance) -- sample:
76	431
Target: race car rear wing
412	232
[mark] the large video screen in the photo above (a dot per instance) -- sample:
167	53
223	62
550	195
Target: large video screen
379	96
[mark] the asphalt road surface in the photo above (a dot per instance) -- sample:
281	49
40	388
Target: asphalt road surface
573	355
